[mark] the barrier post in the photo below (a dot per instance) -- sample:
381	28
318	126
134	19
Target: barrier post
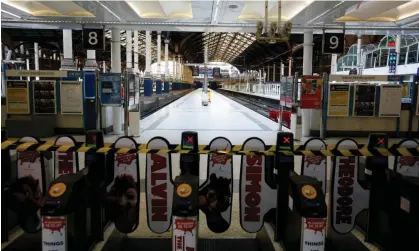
283	166
185	196
5	175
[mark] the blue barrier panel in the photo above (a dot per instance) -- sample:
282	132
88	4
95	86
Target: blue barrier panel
166	87
158	86
148	87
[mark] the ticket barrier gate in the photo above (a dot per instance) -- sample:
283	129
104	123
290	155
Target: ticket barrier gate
306	215
185	197
72	213
392	219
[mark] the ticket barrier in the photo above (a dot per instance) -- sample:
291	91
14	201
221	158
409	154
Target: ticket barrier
185	197
307	214
392	217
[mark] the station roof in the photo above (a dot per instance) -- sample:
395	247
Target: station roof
226	27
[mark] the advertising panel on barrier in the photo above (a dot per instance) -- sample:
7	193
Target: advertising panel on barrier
184	233
254	190
159	187
364	100
65	162
71	97
44	97
311	92
349	198
338	103
315	166
54	233
216	194
110	89
17	97
390	100
314	232
407	165
124	194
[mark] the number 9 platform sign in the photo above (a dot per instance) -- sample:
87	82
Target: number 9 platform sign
333	43
93	39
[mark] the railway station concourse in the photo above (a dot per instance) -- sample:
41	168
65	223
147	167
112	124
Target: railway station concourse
210	125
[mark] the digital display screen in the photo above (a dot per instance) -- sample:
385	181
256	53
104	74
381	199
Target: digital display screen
189	141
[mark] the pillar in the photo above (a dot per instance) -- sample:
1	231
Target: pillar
148	82
398	44
67	63
307	70
36	48
334	64
205	69
290	67
274	73
166	66
129	48
136	69
282	69
116	68
158	80
269	74
358	54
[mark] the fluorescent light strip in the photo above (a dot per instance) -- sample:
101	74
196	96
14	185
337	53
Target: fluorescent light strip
322	14
215	16
110	11
11	14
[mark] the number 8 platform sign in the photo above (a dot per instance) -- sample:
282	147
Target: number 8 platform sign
93	39
333	43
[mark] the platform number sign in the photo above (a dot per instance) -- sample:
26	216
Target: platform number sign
93	39
333	43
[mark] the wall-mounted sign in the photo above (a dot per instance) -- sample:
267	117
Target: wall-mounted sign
30	73
333	43
358	78
44	97
311	93
195	71
17	97
338	100
390	100
110	89
71	96
93	39
353	71
364	100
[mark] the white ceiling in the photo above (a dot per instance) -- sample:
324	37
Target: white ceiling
367	17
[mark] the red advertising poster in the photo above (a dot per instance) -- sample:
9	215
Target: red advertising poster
311	92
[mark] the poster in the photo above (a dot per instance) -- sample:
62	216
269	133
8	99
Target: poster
364	100
311	96
110	89
338	100
216	72
44	97
390	100
71	94
17	97
195	71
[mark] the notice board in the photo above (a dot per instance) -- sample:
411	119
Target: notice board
17	97
338	101
390	100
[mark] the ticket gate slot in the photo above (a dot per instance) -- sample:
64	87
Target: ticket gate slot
307	212
64	214
185	197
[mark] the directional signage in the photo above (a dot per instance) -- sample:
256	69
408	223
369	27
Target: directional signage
333	43
392	62
93	39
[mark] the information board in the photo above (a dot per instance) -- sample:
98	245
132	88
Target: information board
17	97
390	101
338	102
44	97
364	100
311	96
195	71
71	97
110	89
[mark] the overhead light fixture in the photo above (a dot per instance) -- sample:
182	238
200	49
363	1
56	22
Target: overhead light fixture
11	14
215	15
109	10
